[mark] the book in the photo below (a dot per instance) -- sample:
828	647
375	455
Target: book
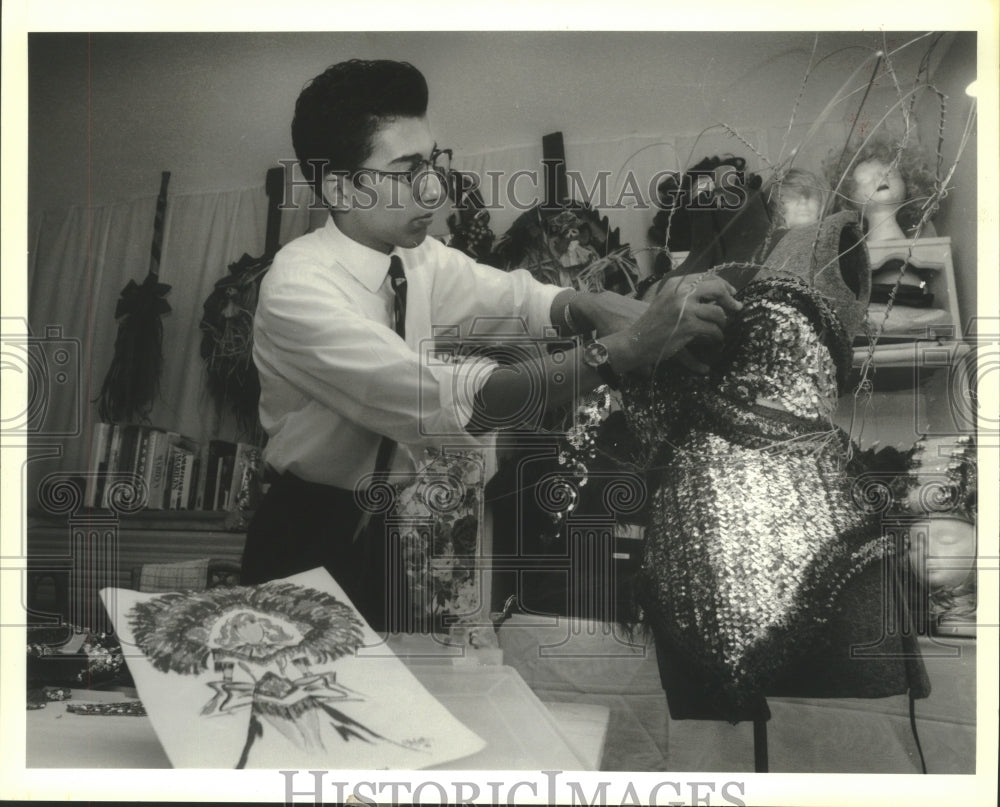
224	454
100	446
131	438
226	463
191	474
246	467
177	462
216	449
183	471
141	467
201	480
114	455
158	451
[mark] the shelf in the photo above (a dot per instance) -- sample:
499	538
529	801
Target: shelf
927	355
908	365
190	520
930	260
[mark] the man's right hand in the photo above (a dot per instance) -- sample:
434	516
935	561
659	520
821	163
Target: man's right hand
687	308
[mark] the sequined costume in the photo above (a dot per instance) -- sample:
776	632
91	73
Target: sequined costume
754	543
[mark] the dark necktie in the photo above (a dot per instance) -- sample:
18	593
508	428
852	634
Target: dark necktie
398	278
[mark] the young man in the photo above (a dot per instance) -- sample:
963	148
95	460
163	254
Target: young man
340	385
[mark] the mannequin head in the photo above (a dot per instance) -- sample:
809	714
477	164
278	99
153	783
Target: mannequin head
887	182
796	199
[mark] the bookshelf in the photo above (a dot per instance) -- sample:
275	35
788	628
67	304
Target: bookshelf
153	468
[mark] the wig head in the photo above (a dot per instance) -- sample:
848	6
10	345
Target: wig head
921	183
795	183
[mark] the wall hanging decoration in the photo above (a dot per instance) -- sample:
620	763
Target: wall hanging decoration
133	379
573	246
563	242
715	212
227	324
469	226
283	674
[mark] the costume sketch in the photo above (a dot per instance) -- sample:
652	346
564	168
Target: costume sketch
275	674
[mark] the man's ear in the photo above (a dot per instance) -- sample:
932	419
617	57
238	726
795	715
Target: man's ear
336	191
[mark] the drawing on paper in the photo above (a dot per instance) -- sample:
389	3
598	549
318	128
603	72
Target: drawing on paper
262	642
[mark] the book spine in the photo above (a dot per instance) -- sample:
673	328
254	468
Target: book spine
127	458
114	459
176	477
100	440
239	469
191	472
159	493
201	479
225	480
246	479
141	465
211	475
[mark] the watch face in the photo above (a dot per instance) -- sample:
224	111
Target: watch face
595	354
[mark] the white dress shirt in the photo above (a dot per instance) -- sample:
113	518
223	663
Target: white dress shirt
335	376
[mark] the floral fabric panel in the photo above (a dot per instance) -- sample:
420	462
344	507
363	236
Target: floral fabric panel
439	516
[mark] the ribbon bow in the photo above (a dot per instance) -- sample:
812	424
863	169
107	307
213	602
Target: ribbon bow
233	695
144	300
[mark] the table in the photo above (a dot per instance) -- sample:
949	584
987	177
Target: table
493	701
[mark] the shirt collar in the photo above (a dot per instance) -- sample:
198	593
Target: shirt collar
368	266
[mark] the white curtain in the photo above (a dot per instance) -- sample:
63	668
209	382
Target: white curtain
79	261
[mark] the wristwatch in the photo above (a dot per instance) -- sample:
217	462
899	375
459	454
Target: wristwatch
595	354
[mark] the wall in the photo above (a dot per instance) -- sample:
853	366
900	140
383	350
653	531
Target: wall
108	112
959	214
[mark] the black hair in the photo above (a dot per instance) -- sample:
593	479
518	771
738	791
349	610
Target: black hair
338	113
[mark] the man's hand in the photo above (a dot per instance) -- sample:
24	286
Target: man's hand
606	312
688	308
685	309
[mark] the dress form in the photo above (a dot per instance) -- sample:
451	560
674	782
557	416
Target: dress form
747	496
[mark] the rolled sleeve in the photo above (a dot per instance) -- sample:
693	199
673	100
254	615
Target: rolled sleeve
458	385
487	299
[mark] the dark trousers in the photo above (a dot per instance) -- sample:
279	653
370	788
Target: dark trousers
302	525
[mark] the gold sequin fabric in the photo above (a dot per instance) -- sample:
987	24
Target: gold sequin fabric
753	531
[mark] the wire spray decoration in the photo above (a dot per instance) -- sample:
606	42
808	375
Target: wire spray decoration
132	382
859	83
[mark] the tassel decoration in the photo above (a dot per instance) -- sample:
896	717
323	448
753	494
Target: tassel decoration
132	383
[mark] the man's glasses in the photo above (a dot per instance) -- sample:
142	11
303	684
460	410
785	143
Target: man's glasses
428	179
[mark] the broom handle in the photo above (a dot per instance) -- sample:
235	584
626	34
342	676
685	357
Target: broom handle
274	186
161	214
